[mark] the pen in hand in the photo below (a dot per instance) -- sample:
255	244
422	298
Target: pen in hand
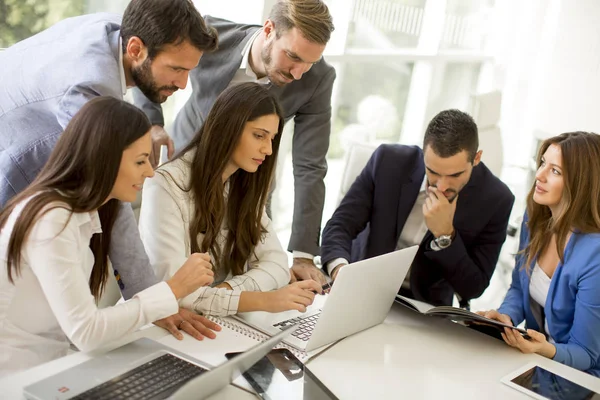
325	287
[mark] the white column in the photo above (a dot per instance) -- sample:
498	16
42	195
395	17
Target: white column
418	93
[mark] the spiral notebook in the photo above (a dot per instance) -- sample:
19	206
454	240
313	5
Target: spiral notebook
245	330
233	337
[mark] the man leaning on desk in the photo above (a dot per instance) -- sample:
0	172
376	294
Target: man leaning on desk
441	197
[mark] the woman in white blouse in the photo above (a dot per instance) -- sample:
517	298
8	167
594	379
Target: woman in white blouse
54	239
211	198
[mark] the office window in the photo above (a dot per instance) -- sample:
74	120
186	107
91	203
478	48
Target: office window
369	109
394	23
22	19
364	110
452	86
466	24
398	63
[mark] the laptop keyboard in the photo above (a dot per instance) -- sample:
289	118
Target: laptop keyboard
307	324
156	379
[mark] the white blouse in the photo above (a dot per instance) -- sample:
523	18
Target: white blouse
539	286
51	302
164	227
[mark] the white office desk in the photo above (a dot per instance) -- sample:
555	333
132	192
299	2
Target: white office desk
12	386
408	356
418	357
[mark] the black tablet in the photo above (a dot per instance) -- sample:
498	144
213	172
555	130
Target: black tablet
540	383
280	375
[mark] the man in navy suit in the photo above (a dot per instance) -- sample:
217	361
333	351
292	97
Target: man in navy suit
442	198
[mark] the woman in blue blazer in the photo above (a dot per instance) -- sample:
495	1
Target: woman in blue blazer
556	281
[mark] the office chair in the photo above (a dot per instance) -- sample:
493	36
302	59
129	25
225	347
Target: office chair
486	113
356	159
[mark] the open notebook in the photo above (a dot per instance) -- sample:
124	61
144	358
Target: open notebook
453	314
234	336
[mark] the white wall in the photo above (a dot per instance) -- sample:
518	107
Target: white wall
570	97
548	67
515	44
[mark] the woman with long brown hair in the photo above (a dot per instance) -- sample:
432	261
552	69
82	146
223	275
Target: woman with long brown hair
55	236
211	198
556	281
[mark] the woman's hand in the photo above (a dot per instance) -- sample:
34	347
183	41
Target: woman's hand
536	344
495	315
188	321
295	296
194	273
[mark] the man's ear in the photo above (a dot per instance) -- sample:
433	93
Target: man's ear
269	28
136	49
477	158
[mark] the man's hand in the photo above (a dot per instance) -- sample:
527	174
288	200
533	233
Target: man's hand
160	137
335	271
193	324
304	269
439	212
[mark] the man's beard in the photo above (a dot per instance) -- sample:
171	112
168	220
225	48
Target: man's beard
142	76
451	199
271	74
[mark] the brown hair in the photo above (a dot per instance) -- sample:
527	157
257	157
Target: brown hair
451	132
311	17
161	22
579	204
214	145
79	176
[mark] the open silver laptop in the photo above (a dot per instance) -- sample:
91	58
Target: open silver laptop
361	297
145	369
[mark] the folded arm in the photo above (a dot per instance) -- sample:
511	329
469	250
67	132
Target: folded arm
469	270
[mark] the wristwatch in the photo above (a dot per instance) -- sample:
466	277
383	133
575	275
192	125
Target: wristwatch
442	242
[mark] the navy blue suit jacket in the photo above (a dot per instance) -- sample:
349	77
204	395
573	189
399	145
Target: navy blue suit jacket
371	216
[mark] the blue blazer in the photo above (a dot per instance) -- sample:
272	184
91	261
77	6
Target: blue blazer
44	81
371	216
573	304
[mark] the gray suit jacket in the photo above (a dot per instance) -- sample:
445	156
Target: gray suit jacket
45	80
307	100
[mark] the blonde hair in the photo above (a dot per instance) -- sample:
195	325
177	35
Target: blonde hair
579	203
311	17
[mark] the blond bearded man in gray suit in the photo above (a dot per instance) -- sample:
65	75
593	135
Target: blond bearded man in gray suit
286	55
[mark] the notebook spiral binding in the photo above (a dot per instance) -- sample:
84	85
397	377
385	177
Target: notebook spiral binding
256	335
